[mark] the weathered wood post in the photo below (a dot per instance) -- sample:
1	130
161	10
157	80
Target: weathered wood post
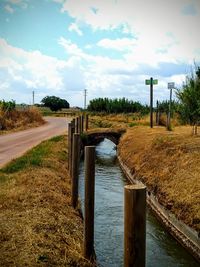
82	123
69	145
86	122
75	169
89	202
76	125
134	225
79	125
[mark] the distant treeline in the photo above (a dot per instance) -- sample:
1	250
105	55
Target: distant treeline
121	105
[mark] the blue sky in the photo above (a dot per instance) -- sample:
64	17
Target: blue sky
109	47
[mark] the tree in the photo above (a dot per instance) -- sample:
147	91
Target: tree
189	97
54	103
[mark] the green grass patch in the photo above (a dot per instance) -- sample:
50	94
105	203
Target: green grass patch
33	158
132	124
57	138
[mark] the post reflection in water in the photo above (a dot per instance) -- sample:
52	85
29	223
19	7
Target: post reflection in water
162	249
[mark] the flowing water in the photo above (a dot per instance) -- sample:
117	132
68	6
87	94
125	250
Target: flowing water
162	249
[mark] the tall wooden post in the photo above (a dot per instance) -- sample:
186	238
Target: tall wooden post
75	169
89	202
82	123
86	122
76	125
79	125
69	145
151	102
134	225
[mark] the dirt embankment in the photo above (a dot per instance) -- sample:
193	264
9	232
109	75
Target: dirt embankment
38	226
168	163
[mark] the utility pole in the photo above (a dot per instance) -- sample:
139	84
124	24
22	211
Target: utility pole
85	95
33	98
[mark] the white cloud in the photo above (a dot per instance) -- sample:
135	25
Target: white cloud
150	21
119	44
74	27
9	9
24	71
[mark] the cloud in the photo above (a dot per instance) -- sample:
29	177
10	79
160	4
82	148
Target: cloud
24	71
74	27
149	21
9	9
120	44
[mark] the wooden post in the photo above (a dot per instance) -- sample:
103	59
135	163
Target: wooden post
69	145
86	122
79	125
75	169
76	125
89	202
134	225
82	123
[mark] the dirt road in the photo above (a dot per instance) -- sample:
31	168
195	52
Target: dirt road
16	144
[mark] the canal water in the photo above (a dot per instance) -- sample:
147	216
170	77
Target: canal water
162	249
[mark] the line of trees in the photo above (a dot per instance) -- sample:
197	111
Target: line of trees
121	105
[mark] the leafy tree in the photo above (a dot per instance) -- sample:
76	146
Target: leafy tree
54	103
189	98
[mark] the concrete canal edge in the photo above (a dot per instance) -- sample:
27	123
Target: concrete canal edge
184	234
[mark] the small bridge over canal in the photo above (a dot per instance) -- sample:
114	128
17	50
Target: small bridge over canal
94	137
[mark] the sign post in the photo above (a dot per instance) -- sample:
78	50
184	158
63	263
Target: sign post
151	82
170	86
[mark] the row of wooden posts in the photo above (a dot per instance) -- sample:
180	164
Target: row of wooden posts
134	200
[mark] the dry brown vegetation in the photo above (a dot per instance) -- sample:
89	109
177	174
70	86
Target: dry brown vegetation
168	163
16	120
38	226
127	120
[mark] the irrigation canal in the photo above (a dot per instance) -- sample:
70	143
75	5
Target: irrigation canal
161	248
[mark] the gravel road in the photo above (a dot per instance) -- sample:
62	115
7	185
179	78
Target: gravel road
16	144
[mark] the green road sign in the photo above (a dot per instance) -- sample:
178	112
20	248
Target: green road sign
147	82
155	81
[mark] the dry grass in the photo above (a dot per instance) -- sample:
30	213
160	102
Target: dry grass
38	226
127	120
16	120
168	162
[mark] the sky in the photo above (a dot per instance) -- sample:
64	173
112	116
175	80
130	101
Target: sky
109	47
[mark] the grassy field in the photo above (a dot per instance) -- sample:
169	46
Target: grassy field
166	161
38	226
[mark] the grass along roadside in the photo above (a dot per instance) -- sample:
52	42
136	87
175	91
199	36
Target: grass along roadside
38	226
